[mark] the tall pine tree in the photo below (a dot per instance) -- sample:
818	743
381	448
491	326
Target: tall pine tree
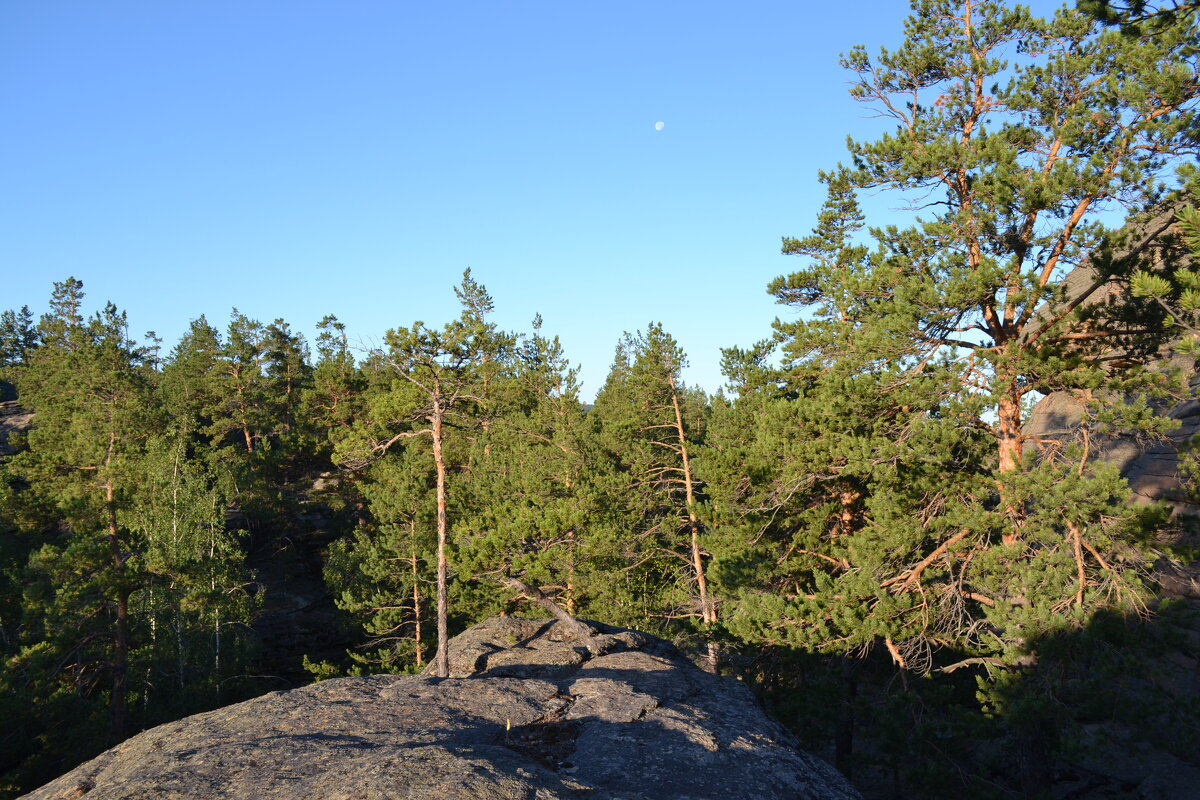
432	385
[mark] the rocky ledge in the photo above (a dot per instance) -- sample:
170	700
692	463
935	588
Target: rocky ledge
530	711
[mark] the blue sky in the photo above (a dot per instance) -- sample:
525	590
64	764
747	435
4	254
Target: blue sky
296	159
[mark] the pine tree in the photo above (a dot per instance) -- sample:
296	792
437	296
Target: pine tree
430	383
288	373
190	380
380	574
132	594
65	315
530	501
330	403
18	338
892	497
971	297
1022	156
655	425
94	413
1142	17
246	402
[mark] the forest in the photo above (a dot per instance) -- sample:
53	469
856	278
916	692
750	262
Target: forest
861	525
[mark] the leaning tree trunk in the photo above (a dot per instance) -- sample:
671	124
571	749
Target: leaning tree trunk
708	611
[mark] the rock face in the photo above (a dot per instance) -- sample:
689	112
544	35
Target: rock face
13	419
1151	467
528	713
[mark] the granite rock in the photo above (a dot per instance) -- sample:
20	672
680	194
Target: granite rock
529	712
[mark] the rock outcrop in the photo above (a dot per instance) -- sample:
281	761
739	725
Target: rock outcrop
529	712
13	419
1150	466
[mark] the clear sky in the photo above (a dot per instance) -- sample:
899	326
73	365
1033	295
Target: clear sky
301	158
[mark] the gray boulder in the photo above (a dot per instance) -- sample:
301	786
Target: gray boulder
530	712
13	419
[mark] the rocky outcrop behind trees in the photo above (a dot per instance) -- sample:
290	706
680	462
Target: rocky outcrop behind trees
13	419
1152	466
529	712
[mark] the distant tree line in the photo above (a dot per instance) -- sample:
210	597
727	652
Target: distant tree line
862	527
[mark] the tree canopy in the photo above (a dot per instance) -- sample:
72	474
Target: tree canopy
866	528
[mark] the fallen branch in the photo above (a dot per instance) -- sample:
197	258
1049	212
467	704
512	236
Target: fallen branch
581	632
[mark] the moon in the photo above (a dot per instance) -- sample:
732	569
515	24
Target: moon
658	126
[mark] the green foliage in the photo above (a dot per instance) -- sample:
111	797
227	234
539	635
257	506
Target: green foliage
194	598
380	575
131	594
426	385
891	504
539	491
655	426
901	398
1144	17
1176	287
18	339
333	400
92	403
866	531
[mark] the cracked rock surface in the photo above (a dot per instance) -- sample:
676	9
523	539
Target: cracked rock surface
529	712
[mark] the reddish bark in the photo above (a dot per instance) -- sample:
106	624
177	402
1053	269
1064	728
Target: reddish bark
441	660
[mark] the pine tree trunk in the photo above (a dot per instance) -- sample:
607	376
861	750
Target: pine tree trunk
570	591
582	632
845	520
708	611
179	650
1010	441
412	529
441	660
242	417
152	620
217	651
120	690
120	659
